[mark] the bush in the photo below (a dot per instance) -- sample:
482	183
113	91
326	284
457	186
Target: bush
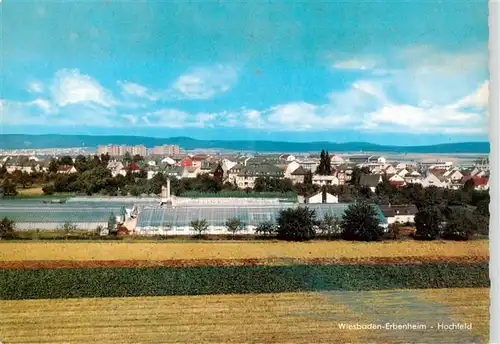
296	224
199	226
266	228
360	222
7	227
329	227
68	228
234	225
428	223
49	189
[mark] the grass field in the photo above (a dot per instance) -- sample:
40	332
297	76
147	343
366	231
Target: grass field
251	318
43	251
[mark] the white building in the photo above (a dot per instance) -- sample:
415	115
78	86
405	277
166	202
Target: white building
399	213
319	198
336	160
325	180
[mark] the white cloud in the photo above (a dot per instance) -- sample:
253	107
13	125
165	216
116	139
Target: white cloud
436	77
169	118
361	97
407	118
43	104
435	93
137	90
304	116
35	87
41	112
203	83
71	87
131	118
355	64
478	99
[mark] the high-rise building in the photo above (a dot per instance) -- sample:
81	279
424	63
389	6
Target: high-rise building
115	150
166	150
124	150
140	149
112	150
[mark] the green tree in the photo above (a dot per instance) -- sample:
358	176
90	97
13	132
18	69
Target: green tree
428	222
53	166
81	163
137	158
468	185
66	160
105	158
157	182
308	178
324	167
134	190
355	176
8	188
234	225
385	188
219	173
21	178
483	207
296	224
266	228
3	170
328	163
127	158
7	227
460	225
329	227
360	221
199	226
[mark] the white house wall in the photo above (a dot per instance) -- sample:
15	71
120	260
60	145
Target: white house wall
52	226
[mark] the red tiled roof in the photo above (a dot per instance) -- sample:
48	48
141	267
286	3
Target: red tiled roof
65	168
133	167
397	182
478	181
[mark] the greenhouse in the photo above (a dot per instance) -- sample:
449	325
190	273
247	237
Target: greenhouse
32	215
176	220
152	218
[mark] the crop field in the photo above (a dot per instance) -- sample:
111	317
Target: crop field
242	292
476	250
35	191
166	281
313	317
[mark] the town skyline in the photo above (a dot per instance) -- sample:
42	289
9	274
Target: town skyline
310	76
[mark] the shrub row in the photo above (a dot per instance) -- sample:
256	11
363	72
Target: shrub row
163	281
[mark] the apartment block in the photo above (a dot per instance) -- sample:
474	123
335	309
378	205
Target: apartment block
169	150
115	150
112	150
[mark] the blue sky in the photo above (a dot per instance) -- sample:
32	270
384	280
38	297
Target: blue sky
393	72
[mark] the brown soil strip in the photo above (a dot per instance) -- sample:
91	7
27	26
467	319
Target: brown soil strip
52	264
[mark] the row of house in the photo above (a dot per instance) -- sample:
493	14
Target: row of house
243	170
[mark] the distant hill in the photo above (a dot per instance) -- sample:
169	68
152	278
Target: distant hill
21	141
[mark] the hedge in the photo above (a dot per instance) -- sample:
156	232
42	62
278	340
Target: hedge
163	281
